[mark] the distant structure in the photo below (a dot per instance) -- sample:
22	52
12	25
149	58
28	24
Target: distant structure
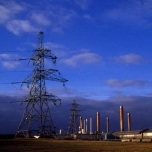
80	127
73	124
129	121
86	126
36	120
121	119
91	126
98	122
107	124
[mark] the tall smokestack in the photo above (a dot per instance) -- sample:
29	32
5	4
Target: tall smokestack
107	124
86	126
121	119
81	124
129	122
98	122
90	125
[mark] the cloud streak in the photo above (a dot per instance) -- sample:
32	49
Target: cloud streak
19	26
83	4
59	17
135	13
85	58
128	59
126	83
9	10
55	16
9	61
40	19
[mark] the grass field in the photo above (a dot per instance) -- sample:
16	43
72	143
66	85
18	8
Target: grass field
49	145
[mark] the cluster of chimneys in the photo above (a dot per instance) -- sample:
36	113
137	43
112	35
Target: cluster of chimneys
122	120
84	129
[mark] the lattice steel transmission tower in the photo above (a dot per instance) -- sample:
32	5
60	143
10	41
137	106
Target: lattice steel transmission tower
37	119
73	125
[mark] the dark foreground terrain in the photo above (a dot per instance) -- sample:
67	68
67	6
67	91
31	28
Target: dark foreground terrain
51	145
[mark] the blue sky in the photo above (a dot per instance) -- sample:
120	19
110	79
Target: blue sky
103	49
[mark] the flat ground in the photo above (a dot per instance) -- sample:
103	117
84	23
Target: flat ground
49	145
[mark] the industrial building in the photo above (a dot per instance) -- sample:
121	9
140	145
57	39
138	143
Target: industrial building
144	135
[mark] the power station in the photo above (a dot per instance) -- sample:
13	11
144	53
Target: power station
37	121
144	135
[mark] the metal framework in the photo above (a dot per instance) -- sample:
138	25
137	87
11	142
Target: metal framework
36	120
73	125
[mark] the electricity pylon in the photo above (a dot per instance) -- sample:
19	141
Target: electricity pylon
37	119
73	125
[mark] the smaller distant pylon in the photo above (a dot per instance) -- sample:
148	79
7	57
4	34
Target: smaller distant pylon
73	124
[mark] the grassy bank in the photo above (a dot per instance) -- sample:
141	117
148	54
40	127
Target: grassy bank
46	145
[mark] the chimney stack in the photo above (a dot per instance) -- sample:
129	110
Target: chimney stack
129	122
98	122
90	125
107	124
86	126
81	124
121	119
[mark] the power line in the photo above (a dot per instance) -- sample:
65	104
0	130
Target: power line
14	71
13	60
9	60
15	51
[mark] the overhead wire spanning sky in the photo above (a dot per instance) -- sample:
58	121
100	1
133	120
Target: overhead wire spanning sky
103	47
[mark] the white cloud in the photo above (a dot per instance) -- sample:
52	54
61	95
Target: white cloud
125	83
10	64
135	12
8	10
6	56
129	59
24	17
87	16
59	91
53	45
5	14
9	61
58	49
85	58
60	17
14	7
19	26
83	4
55	16
125	99
41	19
